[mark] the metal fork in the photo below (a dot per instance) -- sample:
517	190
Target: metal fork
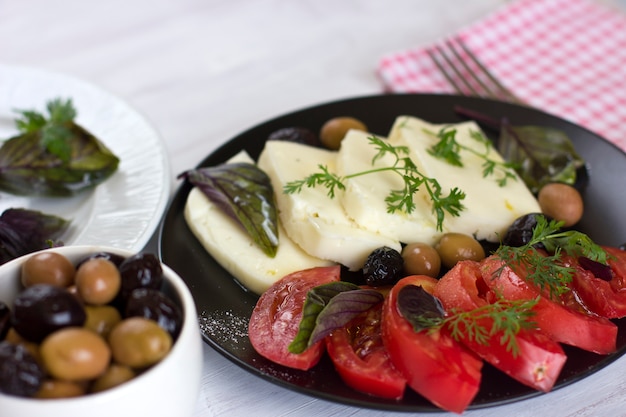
467	75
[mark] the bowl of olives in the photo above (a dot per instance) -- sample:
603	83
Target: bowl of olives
96	331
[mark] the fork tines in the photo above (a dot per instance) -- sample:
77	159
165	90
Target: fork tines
465	73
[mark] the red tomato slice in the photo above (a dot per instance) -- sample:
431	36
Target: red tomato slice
361	360
276	317
561	323
539	360
605	298
433	363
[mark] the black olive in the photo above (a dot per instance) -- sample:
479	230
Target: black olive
521	231
296	134
5	320
142	270
20	374
43	308
384	266
153	304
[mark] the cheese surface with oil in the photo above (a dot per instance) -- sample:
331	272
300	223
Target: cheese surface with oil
489	207
231	246
313	220
364	197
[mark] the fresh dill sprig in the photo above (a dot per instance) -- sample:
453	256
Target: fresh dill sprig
508	317
55	130
547	271
397	200
449	150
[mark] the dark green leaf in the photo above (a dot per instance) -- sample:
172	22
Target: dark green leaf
24	231
245	193
541	154
329	307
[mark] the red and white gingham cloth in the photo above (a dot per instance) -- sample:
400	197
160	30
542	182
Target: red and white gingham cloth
566	57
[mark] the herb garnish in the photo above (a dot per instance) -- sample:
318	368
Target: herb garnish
328	307
508	317
23	231
449	150
52	155
546	271
244	192
399	199
55	131
542	154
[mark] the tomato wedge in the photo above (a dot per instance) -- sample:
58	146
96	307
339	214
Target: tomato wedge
360	358
539	359
605	298
433	363
276	317
562	323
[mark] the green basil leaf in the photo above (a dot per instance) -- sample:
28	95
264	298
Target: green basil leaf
542	154
329	307
245	193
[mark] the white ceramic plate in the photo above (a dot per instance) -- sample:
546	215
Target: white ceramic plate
123	211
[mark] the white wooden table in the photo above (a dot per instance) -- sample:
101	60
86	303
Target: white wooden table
204	70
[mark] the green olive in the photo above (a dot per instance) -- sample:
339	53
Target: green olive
139	342
561	202
54	388
75	354
335	129
98	281
115	375
421	259
101	319
455	247
47	268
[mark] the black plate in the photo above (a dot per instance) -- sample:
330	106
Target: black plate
224	306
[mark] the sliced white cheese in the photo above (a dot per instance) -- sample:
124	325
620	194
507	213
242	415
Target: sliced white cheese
231	246
489	208
364	198
312	219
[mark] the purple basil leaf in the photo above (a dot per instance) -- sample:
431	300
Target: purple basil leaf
599	270
328	307
24	231
245	193
28	168
422	309
542	154
342	309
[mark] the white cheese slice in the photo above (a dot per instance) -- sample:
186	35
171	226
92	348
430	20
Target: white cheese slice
312	219
489	208
231	246
364	198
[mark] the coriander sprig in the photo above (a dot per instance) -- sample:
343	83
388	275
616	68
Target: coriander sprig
397	200
449	150
547	271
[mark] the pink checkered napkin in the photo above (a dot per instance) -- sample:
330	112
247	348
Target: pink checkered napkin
566	57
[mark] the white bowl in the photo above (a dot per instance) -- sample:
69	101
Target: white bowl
169	389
